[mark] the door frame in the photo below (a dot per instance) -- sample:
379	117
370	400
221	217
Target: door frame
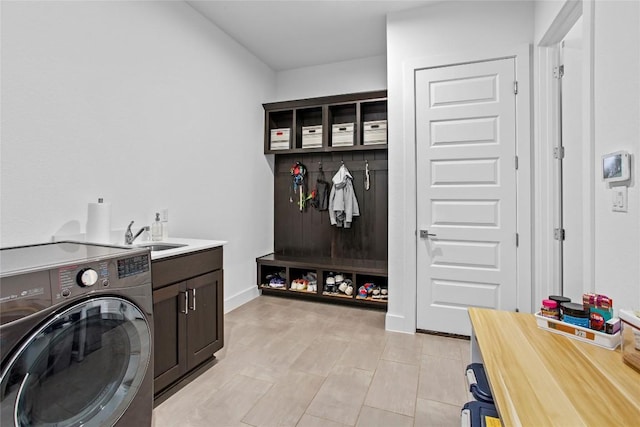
402	311
547	134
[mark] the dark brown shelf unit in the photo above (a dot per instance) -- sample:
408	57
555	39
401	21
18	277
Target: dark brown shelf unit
358	270
326	111
305	240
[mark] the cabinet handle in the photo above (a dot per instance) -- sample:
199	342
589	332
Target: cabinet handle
186	303
193	299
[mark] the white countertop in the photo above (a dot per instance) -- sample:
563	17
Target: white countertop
191	245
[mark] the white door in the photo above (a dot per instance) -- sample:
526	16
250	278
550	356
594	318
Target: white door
466	192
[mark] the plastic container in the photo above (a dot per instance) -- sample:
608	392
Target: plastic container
575	314
165	230
600	339
479	414
630	331
560	300
550	309
156	229
478	383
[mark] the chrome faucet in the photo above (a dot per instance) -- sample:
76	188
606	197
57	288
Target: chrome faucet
128	235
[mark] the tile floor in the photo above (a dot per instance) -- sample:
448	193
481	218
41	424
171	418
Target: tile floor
296	363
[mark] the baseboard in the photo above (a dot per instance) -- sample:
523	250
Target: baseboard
240	298
397	323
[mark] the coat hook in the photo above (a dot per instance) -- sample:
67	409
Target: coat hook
320	165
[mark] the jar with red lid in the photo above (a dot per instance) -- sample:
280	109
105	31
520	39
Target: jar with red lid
550	309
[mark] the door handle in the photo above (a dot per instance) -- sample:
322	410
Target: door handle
424	234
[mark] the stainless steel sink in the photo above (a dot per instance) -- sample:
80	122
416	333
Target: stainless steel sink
160	246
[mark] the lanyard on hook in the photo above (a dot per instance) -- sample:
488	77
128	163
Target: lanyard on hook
367	183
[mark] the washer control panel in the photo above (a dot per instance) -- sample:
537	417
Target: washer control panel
109	274
74	279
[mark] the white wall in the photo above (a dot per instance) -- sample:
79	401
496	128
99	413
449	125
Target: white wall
145	104
443	29
617	127
358	75
612	44
545	11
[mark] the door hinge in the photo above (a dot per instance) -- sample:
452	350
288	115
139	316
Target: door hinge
558	233
558	153
517	240
515	87
558	72
516	162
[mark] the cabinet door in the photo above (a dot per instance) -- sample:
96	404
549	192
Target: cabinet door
170	327
204	323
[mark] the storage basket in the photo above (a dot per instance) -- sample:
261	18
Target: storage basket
280	139
342	135
312	136
375	132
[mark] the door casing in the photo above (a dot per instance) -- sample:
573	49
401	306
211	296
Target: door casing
547	267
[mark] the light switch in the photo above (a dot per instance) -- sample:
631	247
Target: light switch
619	199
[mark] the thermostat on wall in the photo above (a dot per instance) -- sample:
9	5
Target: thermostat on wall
616	166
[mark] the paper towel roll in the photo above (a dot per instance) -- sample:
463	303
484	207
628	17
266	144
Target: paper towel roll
99	222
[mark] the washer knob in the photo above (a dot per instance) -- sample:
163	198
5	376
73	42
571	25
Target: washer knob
87	277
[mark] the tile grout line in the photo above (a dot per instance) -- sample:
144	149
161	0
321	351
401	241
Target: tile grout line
258	400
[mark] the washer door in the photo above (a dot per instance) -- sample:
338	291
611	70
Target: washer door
82	367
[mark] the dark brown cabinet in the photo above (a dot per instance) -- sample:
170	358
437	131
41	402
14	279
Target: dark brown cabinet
203	339
188	313
169	358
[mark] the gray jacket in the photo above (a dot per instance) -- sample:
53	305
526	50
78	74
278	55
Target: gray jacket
343	205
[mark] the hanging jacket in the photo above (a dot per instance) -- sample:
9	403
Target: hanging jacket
322	187
343	205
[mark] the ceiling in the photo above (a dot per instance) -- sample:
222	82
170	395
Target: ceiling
300	33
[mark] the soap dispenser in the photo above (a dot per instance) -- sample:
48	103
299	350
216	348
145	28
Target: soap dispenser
156	229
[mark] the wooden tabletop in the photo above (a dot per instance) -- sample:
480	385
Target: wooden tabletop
539	378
